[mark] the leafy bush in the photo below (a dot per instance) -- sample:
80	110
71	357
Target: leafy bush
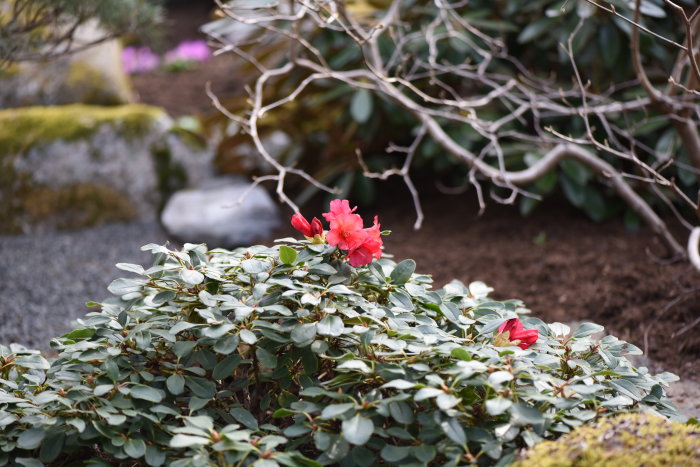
287	355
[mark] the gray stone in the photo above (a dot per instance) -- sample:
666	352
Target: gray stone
67	167
48	277
93	75
212	214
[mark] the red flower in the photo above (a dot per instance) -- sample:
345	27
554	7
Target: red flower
346	232
370	247
313	232
521	337
346	228
339	207
300	223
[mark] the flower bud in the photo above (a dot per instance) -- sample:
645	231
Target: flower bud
316	228
302	225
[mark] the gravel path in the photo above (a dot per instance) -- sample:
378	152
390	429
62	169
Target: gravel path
45	279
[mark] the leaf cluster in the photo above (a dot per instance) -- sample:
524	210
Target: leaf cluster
287	355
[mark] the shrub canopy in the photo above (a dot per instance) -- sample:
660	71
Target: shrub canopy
287	355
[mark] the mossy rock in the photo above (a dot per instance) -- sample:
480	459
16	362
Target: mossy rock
623	441
26	127
77	206
66	167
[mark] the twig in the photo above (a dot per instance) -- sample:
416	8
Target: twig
447	99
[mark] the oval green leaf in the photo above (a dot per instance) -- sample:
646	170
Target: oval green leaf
358	430
288	255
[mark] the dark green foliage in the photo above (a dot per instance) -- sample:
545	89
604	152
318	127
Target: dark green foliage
533	35
289	356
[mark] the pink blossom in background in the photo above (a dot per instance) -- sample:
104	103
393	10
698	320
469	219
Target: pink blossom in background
195	51
139	60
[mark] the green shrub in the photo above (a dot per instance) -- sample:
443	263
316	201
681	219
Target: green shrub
287	355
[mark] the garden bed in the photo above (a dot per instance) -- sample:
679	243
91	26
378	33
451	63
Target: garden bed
561	264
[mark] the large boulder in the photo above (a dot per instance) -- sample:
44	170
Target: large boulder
73	166
223	212
93	75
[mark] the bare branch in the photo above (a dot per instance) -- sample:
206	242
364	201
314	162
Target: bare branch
447	99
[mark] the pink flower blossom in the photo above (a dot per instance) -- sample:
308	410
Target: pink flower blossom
370	248
139	60
188	51
339	207
346	231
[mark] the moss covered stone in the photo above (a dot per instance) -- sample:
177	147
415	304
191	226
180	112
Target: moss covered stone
93	75
624	441
71	166
77	206
26	127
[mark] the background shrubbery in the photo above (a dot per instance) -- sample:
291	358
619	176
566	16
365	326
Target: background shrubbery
534	36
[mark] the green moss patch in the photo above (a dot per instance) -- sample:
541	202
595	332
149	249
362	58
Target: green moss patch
624	441
25	127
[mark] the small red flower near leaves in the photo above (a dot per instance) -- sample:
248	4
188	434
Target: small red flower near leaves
518	335
313	231
300	223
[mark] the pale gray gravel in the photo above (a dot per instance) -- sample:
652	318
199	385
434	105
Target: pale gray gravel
46	278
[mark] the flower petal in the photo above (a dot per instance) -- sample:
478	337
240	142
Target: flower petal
360	256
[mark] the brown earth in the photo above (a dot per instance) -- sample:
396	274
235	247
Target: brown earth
563	266
183	93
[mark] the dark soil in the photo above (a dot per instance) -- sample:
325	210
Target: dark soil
183	93
563	266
